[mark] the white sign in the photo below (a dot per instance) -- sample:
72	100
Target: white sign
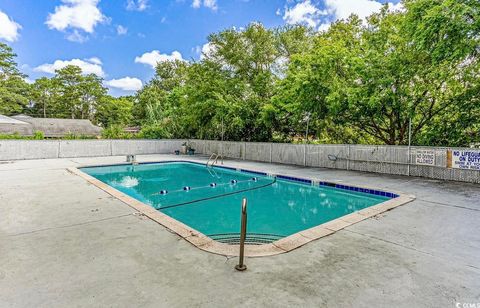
425	157
466	159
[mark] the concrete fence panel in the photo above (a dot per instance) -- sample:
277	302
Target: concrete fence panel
258	151
167	146
370	158
28	149
379	159
198	145
293	154
85	148
329	156
125	147
232	149
44	149
212	147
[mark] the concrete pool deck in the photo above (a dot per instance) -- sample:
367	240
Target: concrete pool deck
66	243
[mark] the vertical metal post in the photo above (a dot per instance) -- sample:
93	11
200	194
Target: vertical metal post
223	133
271	145
306	131
409	144
348	157
305	154
306	140
243	233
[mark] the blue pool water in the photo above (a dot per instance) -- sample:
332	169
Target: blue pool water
209	199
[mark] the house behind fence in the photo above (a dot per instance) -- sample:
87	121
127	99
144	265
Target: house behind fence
50	127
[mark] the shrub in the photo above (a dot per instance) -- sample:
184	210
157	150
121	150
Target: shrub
116	132
154	131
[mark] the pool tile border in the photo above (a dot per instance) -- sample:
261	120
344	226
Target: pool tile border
283	245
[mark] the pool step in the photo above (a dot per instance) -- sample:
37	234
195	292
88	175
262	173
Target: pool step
251	239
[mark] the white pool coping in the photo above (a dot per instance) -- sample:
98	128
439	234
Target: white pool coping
282	245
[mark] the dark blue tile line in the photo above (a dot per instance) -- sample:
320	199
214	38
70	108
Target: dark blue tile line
144	163
225	167
254	172
359	189
294	179
110	165
283	177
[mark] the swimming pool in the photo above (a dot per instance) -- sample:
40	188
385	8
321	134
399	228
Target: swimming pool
208	200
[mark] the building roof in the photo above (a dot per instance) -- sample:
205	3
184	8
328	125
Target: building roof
8	120
11	126
50	127
56	128
22	116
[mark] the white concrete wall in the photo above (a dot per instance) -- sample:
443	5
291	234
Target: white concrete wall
42	149
28	149
84	148
257	151
370	158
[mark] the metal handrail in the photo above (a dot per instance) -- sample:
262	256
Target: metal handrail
213	159
216	159
210	158
213	173
243	234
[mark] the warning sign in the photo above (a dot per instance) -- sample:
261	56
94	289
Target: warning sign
464	159
425	157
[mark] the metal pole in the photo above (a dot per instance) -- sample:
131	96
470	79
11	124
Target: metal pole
409	143
306	141
348	157
223	132
223	129
243	233
305	154
306	131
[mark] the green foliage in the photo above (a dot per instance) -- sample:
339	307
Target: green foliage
73	136
114	111
154	131
447	29
12	136
38	135
222	95
13	88
44	93
375	78
70	94
116	131
79	95
357	82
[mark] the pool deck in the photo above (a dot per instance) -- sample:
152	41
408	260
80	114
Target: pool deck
66	243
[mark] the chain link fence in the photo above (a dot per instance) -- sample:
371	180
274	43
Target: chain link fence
429	162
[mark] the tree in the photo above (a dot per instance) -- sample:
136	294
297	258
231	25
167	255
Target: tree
78	95
359	81
153	100
44	95
13	88
375	78
114	111
447	29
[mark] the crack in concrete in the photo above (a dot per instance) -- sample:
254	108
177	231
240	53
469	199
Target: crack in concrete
68	226
450	205
407	247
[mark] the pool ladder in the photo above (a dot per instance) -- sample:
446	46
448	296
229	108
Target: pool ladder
214	159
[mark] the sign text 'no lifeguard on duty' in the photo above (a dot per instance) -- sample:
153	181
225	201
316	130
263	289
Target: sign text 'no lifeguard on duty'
463	159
